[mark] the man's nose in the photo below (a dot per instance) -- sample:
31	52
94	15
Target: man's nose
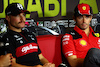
84	19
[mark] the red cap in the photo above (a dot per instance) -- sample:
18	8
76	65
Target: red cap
83	9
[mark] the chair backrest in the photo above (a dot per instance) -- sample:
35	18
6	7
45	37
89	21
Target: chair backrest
50	46
97	28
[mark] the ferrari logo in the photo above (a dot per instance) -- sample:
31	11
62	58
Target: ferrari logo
97	34
84	7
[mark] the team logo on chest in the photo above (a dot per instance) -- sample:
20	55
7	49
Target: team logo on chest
18	38
83	42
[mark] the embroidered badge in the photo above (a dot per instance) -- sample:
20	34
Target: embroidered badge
97	34
84	7
83	42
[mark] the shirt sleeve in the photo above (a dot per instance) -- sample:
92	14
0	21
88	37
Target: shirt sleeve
9	46
68	46
39	51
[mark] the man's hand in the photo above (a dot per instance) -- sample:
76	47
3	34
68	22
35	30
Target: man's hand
49	65
45	62
5	60
74	61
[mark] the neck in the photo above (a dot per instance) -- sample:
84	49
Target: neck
87	31
15	29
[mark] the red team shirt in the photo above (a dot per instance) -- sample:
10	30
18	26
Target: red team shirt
77	43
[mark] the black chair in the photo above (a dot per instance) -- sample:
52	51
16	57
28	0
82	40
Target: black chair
97	28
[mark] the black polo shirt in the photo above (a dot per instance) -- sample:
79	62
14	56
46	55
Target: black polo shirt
23	46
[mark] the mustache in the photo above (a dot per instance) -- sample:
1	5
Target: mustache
22	21
84	23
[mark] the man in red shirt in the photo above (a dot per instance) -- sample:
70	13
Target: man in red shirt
77	43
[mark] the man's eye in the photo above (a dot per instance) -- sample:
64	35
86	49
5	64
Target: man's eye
87	16
23	14
17	15
80	17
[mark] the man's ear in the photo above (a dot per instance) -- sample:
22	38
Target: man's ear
7	18
74	18
91	17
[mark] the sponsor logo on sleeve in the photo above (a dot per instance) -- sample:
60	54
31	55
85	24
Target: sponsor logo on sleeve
65	39
69	53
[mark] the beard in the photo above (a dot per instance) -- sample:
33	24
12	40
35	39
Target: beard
17	26
83	26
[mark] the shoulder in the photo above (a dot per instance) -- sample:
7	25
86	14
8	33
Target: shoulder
96	34
31	34
74	34
28	32
4	37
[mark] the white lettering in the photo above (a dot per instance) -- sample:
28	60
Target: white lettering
19	38
65	39
25	49
64	43
66	36
69	53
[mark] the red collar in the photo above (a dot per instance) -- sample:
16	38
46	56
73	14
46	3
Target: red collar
77	29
